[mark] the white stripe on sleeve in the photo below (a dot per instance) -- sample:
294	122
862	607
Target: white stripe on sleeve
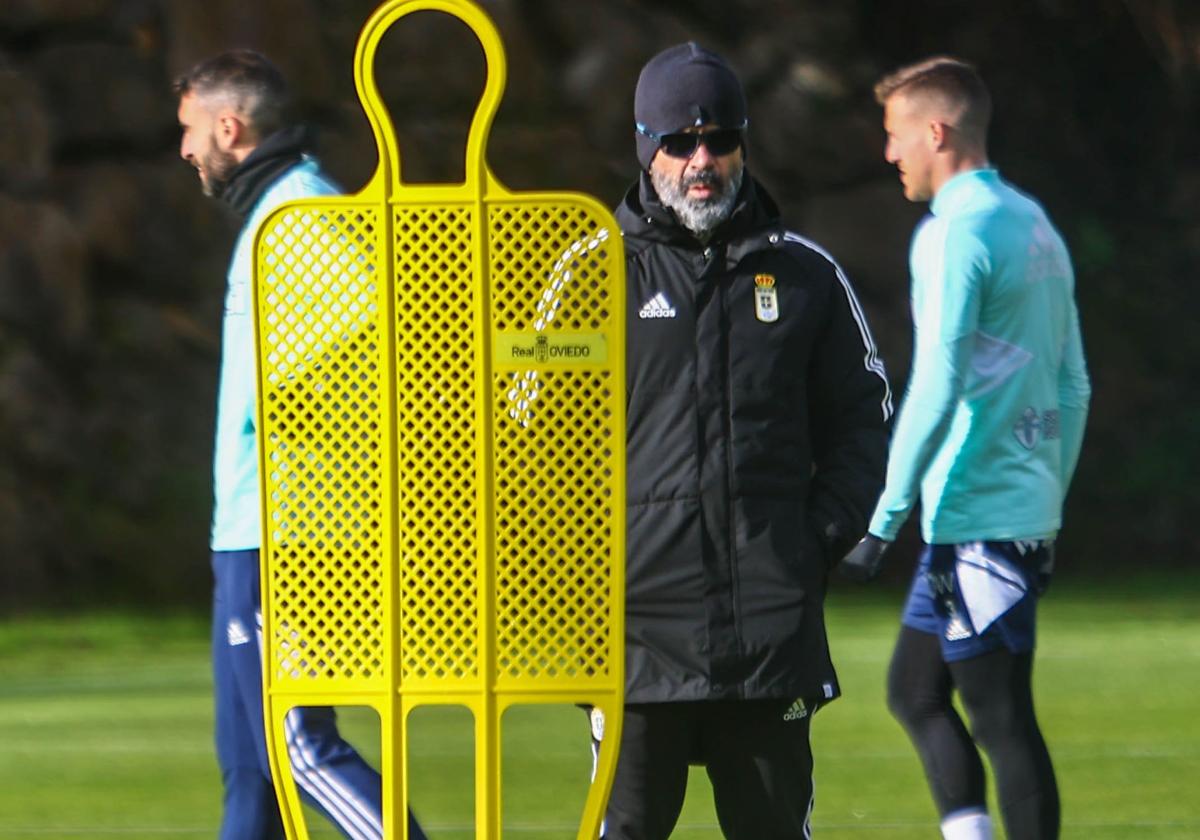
871	360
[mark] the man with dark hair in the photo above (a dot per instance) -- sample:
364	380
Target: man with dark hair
231	111
756	435
987	438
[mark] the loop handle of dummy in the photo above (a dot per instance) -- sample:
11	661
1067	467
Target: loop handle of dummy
388	173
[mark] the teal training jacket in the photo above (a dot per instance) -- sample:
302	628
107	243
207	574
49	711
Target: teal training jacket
991	424
236	514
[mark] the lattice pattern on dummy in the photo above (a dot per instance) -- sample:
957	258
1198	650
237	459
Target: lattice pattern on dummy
553	533
436	389
320	317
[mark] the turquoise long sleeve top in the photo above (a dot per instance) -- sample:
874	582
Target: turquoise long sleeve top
992	420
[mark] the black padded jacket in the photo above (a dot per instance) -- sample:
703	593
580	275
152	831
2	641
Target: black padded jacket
757	444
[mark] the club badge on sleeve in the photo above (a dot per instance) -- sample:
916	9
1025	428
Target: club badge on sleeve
766	299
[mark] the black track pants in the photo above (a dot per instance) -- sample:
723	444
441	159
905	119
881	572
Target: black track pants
760	765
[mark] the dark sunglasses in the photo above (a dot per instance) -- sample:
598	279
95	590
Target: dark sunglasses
683	144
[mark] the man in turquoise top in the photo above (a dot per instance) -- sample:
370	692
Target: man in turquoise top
987	439
234	134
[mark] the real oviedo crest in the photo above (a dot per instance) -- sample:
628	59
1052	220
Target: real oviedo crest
766	299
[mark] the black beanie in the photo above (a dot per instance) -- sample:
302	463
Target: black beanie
681	87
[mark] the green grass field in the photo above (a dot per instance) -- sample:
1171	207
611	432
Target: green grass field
105	730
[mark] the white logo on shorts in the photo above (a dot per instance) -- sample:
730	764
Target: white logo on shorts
236	633
956	628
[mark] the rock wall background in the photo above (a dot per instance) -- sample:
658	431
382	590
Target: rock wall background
112	263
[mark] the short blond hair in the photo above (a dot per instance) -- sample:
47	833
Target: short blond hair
953	81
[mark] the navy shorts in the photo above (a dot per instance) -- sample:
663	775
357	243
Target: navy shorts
978	597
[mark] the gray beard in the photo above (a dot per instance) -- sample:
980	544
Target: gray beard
699	215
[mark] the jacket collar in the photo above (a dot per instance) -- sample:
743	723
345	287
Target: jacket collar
961	189
753	224
262	167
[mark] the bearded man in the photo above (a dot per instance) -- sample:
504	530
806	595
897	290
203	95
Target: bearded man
234	132
757	412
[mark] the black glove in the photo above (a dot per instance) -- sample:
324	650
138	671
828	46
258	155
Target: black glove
1045	568
864	561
